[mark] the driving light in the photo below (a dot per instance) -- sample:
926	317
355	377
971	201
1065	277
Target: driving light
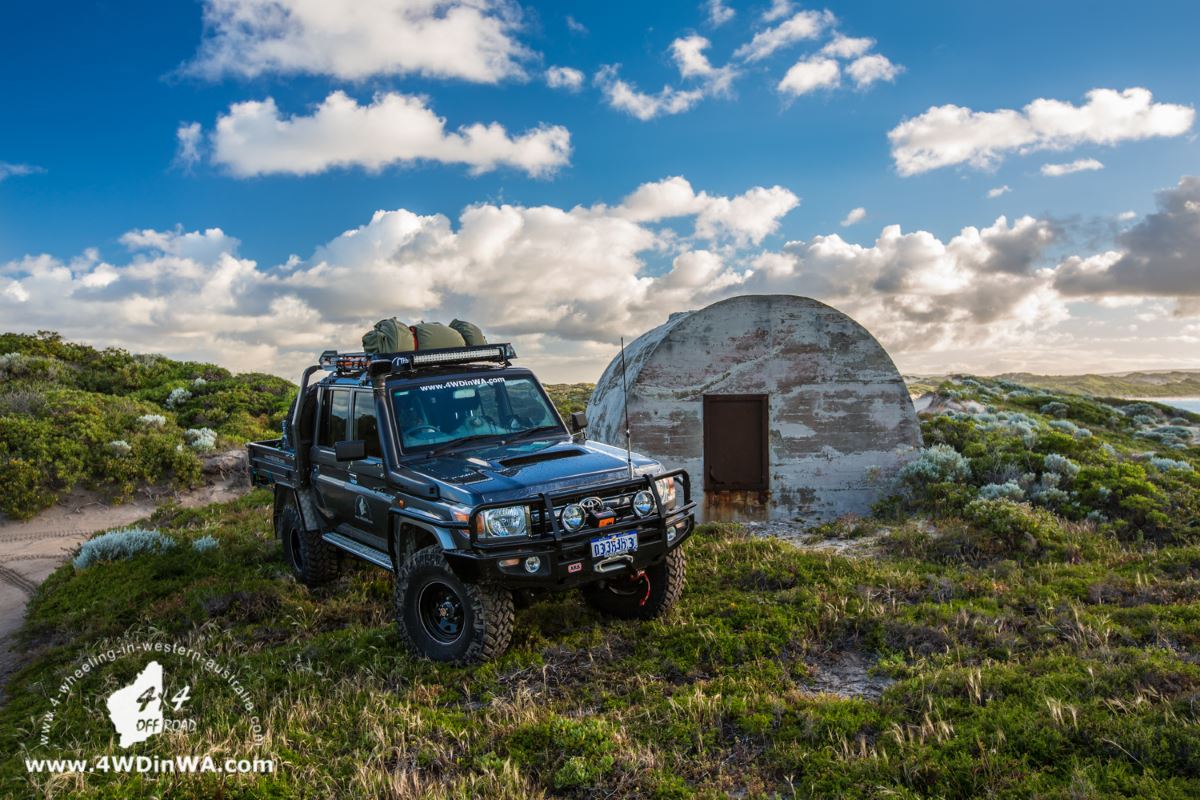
507	521
533	564
666	492
643	503
573	517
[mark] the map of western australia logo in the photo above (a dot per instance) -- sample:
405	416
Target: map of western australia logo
136	710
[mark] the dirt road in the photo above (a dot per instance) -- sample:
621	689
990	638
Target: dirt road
32	549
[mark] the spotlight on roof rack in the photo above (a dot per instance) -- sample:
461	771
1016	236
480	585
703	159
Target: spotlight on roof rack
344	363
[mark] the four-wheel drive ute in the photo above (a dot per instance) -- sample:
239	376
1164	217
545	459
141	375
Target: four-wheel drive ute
452	469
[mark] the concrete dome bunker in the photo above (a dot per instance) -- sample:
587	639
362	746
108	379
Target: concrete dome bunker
779	407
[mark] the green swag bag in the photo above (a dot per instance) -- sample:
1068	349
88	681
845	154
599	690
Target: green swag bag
389	336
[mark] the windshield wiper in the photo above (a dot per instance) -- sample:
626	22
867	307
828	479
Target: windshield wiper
456	443
526	434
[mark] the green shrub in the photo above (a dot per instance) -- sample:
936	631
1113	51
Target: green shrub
24	490
101	418
568	397
1017	529
1122	493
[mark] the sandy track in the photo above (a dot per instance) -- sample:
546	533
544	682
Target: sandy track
32	549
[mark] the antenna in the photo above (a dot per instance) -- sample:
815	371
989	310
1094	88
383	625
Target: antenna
625	398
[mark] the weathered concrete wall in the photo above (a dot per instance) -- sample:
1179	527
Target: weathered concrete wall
841	421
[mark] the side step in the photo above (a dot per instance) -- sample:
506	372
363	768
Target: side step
365	552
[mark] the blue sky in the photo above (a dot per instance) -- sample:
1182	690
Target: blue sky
95	94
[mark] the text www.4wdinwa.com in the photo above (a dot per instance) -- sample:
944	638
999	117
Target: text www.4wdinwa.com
149	764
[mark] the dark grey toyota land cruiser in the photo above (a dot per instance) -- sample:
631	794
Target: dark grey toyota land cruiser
452	469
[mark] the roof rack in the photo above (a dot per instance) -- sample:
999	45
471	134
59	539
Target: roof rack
355	363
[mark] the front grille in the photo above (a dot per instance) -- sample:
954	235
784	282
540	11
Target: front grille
620	501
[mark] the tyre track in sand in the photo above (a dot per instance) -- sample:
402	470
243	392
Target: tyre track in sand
14	578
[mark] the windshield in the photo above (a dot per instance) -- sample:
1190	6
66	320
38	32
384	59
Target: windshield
435	414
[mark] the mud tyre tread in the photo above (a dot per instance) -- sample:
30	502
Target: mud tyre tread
313	561
489	611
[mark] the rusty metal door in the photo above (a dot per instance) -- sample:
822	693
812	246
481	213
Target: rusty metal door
735	442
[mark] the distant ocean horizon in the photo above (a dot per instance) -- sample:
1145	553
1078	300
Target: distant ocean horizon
1186	403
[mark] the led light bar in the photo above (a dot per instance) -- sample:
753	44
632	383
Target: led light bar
350	363
456	355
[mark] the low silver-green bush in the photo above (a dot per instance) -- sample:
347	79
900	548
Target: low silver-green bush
119	545
1168	464
204	544
1061	465
1002	491
937	464
202	439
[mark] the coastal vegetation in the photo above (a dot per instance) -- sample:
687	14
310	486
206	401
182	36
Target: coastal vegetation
1020	618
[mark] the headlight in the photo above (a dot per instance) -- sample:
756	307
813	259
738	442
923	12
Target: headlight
508	521
666	491
573	517
643	503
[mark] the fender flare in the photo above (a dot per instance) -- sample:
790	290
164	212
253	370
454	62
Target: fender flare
397	517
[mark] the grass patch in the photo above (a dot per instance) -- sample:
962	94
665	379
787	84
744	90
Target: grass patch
1011	676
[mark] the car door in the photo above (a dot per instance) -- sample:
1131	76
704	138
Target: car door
330	477
366	486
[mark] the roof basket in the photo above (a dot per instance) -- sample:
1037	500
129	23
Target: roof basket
355	363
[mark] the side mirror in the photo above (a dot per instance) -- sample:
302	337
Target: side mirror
578	421
351	450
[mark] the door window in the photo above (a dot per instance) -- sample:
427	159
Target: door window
365	427
335	418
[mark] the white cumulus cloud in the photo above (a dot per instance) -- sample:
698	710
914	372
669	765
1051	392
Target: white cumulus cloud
948	135
718	13
809	75
777	10
1079	165
189	137
254	138
843	46
981	299
702	77
855	216
869	69
626	97
998	191
473	40
804	25
567	78
688	53
748	217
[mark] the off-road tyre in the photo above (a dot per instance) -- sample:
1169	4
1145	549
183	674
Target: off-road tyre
443	618
312	560
626	596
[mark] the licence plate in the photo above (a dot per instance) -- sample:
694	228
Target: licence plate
614	545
